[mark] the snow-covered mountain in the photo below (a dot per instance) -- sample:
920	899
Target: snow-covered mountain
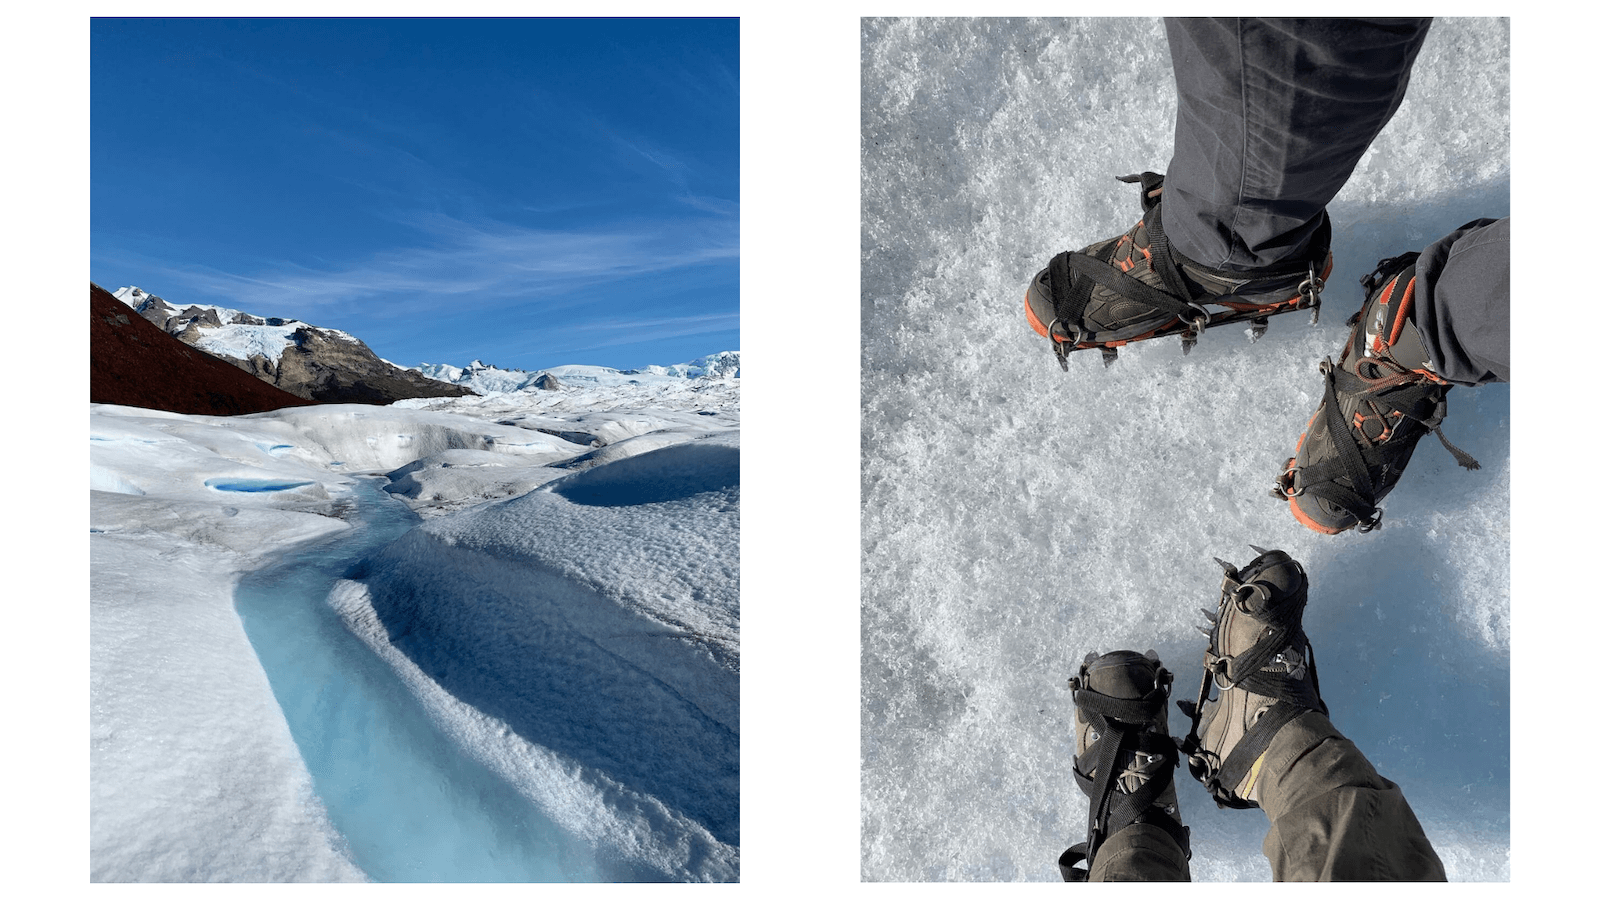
219	330
717	365
487	379
322	364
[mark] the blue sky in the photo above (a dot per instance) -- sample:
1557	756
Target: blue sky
531	192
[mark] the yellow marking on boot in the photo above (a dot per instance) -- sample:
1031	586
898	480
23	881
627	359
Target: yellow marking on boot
1250	782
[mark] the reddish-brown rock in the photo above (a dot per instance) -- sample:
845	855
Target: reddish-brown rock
134	363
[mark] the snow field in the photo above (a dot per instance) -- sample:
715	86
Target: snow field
601	633
195	774
1016	517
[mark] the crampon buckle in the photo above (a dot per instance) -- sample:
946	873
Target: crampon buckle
1283	486
1310	294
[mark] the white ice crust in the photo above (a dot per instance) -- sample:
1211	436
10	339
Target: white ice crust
194	774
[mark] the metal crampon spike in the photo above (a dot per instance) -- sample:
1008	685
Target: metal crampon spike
1061	355
1260	551
1189	340
1316	313
1203	630
1222	562
1258	327
1108	355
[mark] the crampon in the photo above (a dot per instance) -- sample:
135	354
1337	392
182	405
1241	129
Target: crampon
1378	401
1135	287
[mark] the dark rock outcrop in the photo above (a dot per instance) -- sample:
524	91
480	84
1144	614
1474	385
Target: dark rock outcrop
323	366
134	363
318	365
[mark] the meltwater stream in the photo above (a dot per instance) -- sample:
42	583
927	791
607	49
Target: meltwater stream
409	805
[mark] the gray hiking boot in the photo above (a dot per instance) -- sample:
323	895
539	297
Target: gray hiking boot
1125	757
1261	662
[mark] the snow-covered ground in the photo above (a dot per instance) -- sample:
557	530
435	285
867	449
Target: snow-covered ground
566	618
1015	517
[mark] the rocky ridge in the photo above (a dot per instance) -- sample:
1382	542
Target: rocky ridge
321	364
134	363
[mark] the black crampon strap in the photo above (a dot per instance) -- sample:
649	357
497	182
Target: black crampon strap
1070	296
1360	499
1122	726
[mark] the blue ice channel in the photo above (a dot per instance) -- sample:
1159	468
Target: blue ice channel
409	805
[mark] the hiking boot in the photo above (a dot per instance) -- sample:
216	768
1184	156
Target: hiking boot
1260	661
1135	287
1385	395
1125	758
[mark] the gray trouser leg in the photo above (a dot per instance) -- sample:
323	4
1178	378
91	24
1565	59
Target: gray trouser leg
1463	303
1334	818
1273	115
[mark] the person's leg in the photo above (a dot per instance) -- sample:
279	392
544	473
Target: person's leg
1140	853
1334	818
1124	763
1265	741
1463	310
1273	116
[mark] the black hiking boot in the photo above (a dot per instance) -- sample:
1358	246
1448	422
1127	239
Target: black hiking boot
1125	758
1261	662
1135	287
1386	396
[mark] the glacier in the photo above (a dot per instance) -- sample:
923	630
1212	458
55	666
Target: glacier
556	645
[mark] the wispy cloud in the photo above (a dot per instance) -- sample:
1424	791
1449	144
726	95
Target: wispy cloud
579	337
589	335
679	172
468	262
566	339
675	168
712	205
